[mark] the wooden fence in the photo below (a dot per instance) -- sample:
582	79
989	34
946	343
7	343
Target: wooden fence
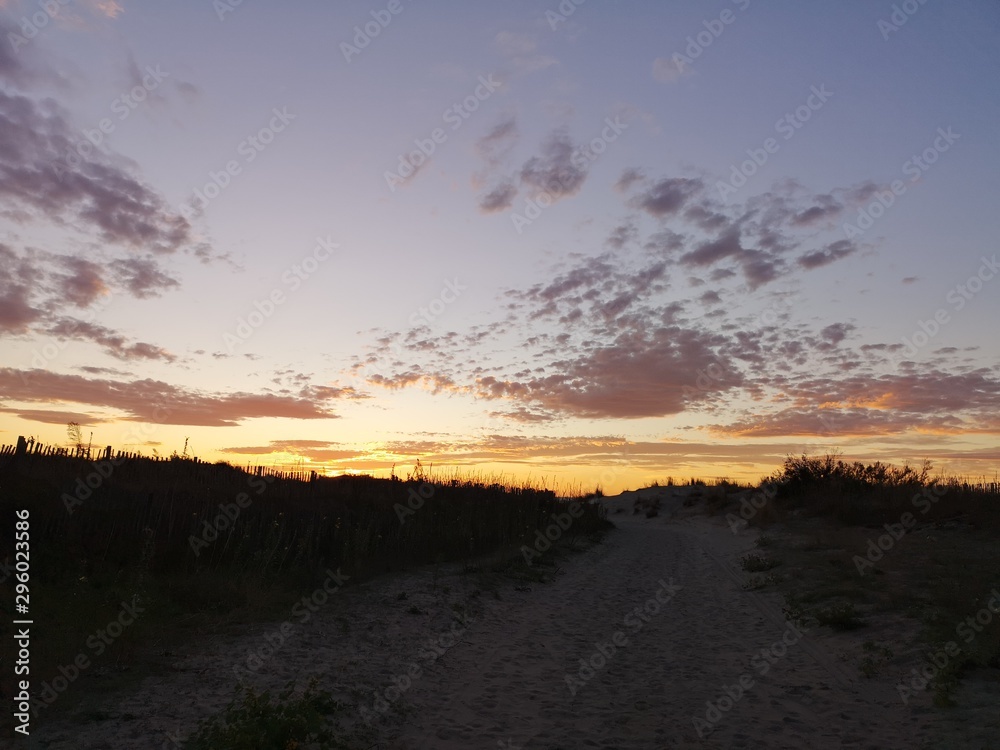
28	450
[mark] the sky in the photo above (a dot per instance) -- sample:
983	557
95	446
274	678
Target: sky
576	243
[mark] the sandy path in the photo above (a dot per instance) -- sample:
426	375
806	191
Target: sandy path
505	685
502	684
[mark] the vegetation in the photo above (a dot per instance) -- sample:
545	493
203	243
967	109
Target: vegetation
855	493
757	563
190	545
864	544
255	721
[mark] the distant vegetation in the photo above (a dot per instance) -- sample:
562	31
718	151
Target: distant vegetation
857	493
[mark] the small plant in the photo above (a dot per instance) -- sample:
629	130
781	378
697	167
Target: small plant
755	563
75	437
256	721
877	657
764	541
840	616
794	611
758	582
945	683
415	610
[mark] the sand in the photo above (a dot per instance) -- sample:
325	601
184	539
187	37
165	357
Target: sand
702	663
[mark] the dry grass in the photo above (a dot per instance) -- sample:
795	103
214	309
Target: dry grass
130	541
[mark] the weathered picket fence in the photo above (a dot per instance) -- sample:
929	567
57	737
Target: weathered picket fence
28	450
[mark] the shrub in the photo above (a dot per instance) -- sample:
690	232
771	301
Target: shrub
840	617
756	563
256	722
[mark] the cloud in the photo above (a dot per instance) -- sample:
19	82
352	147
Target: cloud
520	49
710	252
83	284
313	450
188	90
142	277
16	283
38	149
628	178
668	70
109	8
829	254
925	400
113	342
493	148
433	382
158	402
55	417
666	197
622	235
555	171
499	198
497	143
637	375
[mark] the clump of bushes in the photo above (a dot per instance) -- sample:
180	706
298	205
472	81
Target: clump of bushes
873	494
757	563
254	721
